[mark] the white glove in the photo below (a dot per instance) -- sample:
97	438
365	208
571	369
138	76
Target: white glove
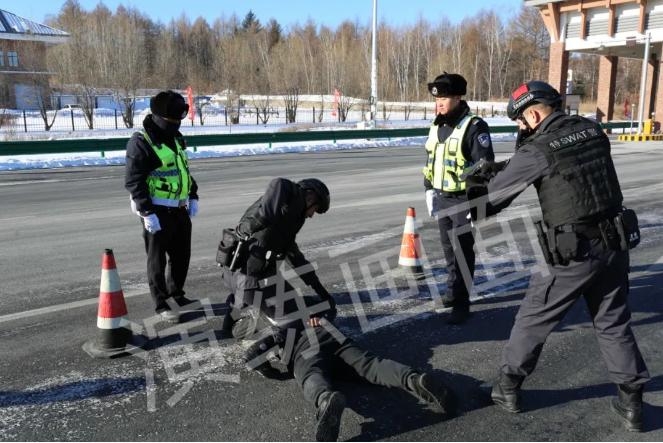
134	209
151	223
431	202
193	208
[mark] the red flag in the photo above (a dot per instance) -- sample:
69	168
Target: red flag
192	106
337	96
627	109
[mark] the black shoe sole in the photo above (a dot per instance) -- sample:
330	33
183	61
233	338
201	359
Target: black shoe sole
627	424
441	399
329	423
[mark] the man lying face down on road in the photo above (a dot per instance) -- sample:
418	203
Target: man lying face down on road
299	333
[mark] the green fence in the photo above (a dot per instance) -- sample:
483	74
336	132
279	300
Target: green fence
195	141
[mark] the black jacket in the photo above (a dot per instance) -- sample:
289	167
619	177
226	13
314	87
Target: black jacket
476	142
141	160
272	222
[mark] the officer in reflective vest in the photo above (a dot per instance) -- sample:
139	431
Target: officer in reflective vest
567	158
164	195
457	139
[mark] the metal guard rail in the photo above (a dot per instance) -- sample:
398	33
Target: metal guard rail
194	141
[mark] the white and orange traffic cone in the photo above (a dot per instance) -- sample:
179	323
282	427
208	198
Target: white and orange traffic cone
113	336
410	256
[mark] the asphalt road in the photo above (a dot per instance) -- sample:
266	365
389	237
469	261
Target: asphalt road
55	224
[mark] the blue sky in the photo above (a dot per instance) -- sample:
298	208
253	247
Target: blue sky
330	12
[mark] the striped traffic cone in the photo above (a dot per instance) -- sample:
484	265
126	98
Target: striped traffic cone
410	256
113	336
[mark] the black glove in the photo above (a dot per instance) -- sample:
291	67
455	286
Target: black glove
522	136
490	169
475	180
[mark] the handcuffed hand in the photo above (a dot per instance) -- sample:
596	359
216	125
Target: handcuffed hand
151	223
192	209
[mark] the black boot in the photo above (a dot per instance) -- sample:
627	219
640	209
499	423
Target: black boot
458	315
330	409
628	405
506	392
432	392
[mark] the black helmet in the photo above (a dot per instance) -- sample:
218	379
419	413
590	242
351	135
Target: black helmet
321	191
529	93
446	85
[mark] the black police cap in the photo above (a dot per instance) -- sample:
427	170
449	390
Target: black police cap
169	104
447	85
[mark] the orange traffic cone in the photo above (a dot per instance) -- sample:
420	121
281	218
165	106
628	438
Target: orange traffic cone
410	256
113	335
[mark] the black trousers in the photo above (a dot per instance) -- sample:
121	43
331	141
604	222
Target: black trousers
316	371
458	251
601	277
170	246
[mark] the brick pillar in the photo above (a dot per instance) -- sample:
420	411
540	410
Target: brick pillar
658	101
605	101
558	65
650	89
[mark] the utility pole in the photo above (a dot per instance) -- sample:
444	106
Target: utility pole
373	101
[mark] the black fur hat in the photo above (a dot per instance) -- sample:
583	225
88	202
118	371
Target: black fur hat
169	104
447	85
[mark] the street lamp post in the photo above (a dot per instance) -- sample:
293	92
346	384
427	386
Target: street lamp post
374	66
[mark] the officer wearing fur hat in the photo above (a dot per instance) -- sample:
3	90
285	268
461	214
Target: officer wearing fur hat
164	195
457	139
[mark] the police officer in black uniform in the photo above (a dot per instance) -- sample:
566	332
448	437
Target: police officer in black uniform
165	196
319	354
267	231
567	158
457	139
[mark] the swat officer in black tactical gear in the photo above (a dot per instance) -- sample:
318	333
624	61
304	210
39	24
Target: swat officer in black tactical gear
317	354
585	237
457	139
266	235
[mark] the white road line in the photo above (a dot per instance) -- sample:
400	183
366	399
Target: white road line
18	218
65	306
54	180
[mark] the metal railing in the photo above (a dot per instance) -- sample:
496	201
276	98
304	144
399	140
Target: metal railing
195	141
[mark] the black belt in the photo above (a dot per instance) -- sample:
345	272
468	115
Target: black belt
588	230
461	194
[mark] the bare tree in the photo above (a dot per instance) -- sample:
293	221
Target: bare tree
291	103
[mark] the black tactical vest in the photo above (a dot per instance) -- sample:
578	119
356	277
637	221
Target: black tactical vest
582	186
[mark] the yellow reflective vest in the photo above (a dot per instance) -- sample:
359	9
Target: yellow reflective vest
446	161
170	183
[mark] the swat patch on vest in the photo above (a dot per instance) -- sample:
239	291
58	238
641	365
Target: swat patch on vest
573	138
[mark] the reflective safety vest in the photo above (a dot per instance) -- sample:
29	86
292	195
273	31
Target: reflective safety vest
170	183
446	162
